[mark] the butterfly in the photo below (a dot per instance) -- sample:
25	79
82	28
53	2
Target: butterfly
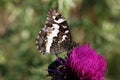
55	36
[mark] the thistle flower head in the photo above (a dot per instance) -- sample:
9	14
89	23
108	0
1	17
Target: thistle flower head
82	63
87	63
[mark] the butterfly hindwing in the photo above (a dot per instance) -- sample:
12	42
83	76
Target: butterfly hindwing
55	37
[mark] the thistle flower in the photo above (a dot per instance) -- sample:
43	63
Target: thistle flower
82	63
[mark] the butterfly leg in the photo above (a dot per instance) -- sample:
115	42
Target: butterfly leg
56	55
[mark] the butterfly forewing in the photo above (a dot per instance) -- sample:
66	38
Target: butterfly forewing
55	37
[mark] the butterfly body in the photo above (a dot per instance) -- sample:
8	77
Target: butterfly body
55	37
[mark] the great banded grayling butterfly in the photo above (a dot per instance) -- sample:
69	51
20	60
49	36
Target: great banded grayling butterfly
55	37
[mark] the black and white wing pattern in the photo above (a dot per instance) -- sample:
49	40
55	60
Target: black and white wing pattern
55	37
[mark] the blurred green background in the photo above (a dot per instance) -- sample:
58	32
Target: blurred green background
91	21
